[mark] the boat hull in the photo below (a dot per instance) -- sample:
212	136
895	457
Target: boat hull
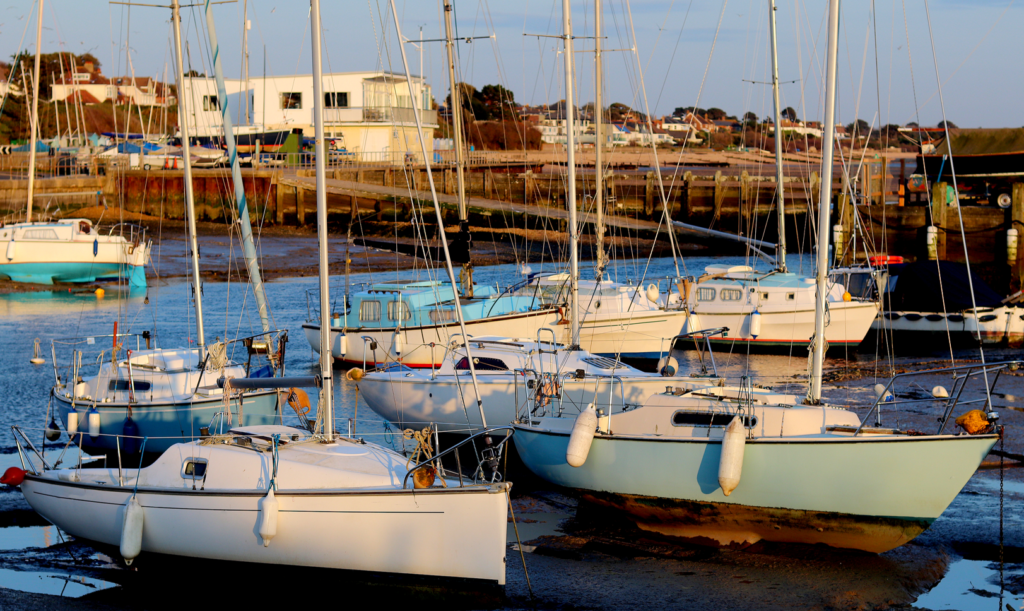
438	532
868	493
164	424
849	323
991	326
72	272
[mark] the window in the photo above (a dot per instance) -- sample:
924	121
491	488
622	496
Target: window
732	295
790	296
445	315
708	419
123	385
291	100
40	234
705	294
336	99
369	311
764	296
481	363
194	468
210	102
398	310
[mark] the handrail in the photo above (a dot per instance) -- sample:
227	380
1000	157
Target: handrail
511	431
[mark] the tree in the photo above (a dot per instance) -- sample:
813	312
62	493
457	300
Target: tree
681	111
715	114
750	117
195	74
789	113
947	125
498	102
858	128
51	66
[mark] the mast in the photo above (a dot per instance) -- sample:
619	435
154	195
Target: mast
599	141
326	358
34	118
245	53
570	199
824	199
437	213
780	250
190	204
248	246
456	103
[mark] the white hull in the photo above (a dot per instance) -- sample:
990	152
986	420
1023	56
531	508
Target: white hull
991	325
849	323
421	532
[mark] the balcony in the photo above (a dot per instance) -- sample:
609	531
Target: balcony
378	114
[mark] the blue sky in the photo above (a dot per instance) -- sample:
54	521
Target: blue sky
976	49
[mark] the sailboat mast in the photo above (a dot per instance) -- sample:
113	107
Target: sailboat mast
245	59
824	200
570	199
34	122
780	201
599	141
245	225
456	109
326	358
190	204
437	212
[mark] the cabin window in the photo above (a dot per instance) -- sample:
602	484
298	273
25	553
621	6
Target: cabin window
123	385
336	99
444	315
369	311
40	234
291	100
194	468
764	296
705	294
732	295
681	418
790	296
210	102
481	363
398	310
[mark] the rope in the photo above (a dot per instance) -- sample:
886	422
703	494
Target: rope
276	459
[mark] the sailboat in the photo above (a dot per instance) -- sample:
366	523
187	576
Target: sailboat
734	469
71	250
279	495
169	394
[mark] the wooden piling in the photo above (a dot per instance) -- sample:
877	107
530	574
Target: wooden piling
939	208
1017	221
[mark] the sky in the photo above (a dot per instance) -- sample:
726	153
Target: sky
690	52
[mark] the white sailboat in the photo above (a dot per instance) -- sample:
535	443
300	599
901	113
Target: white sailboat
737	468
280	495
170	394
72	249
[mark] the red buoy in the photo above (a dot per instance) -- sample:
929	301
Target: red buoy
13	476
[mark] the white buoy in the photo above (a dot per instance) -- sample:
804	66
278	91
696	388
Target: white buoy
396	342
582	437
730	465
342	345
131	530
36	359
268	517
72	422
879	389
653	293
668	366
94	423
755	324
940	392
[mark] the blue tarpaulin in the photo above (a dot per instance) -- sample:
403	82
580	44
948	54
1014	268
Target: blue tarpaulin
41	147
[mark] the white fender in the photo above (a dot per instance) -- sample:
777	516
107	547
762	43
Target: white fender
268	517
653	293
755	324
94	423
342	345
396	342
730	465
940	392
72	422
582	437
668	366
11	249
131	530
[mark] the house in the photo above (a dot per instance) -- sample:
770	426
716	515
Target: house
801	128
370	112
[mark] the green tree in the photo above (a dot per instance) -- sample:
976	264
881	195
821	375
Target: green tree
789	113
715	114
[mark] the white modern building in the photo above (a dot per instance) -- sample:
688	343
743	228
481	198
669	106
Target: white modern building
370	113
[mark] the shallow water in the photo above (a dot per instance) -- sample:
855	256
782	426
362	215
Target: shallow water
973	585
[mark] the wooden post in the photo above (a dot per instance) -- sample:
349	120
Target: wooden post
529	187
746	201
649	195
684	198
1017	221
300	205
719	197
939	209
488	184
